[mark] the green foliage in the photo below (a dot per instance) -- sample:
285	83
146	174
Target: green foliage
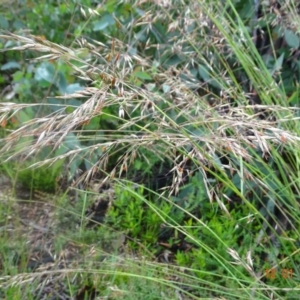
44	178
131	214
177	83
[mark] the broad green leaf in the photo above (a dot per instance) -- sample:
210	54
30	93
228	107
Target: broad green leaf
291	38
18	24
246	10
3	22
215	83
71	141
141	36
55	104
11	65
142	75
63	8
294	99
45	72
174	60
166	88
105	21
140	12
25	115
203	72
17	76
61	83
150	86
72	88
74	102
91	159
74	165
138	165
278	64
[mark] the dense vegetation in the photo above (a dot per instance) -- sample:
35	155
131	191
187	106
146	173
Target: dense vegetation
189	110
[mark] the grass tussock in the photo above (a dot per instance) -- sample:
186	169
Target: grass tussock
202	89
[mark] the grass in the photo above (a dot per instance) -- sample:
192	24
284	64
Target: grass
237	220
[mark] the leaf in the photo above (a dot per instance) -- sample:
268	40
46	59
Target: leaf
203	72
138	164
142	75
11	65
141	36
73	88
92	159
3	22
166	88
25	115
45	72
17	76
71	141
61	83
74	102
294	99
215	83
105	21
74	165
291	38
174	60
278	64
18	24
54	104
150	86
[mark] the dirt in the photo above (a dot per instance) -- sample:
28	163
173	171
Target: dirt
30	229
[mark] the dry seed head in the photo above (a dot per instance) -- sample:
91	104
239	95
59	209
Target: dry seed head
121	112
